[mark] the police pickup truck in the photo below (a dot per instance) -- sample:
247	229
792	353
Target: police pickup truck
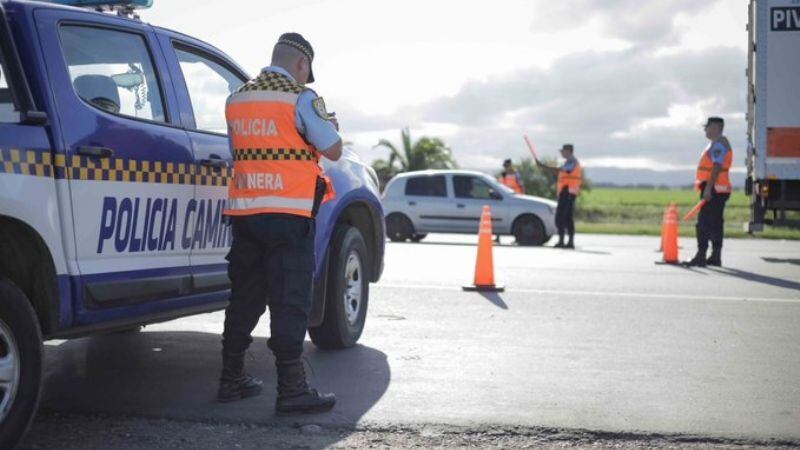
114	163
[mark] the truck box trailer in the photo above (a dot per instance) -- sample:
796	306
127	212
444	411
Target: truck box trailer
773	114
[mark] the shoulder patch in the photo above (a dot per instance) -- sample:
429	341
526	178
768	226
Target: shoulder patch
319	107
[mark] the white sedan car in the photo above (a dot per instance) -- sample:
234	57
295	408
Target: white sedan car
451	201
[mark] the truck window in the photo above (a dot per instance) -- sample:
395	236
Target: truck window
209	84
8	112
112	71
429	186
471	187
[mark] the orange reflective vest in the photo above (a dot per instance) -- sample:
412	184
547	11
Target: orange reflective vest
510	180
570	180
706	165
274	170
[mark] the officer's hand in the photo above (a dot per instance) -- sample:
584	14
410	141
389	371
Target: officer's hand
335	122
707	195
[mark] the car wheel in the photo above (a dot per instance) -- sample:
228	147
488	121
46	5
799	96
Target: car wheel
20	364
529	230
347	295
399	227
418	237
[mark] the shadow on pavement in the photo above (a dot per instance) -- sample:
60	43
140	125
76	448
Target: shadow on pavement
681	266
794	261
174	375
495	299
750	276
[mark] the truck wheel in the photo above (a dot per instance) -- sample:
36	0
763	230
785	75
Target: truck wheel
20	364
347	294
529	230
399	227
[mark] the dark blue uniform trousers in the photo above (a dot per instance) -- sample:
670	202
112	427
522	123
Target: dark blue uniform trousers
271	262
564	214
710	222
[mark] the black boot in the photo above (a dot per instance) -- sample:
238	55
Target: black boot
294	395
699	260
235	383
570	243
716	255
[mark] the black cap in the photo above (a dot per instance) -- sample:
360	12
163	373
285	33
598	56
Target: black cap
506	163
715	119
568	147
297	41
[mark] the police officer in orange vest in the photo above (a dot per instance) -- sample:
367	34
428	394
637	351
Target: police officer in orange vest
510	177
568	188
278	130
714	184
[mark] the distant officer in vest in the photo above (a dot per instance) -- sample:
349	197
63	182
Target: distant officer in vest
568	187
278	130
714	184
510	177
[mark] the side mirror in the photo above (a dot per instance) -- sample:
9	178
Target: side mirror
495	196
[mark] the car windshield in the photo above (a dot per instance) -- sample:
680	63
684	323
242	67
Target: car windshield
498	186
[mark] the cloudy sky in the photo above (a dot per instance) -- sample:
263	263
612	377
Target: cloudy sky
627	81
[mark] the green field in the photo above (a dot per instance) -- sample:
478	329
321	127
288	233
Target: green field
640	211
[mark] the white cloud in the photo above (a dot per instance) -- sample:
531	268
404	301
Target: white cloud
619	78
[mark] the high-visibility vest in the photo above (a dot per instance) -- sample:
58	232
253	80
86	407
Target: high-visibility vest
274	170
510	180
706	165
570	180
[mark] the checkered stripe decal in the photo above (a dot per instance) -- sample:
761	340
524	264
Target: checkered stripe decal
77	167
273	154
20	162
272	81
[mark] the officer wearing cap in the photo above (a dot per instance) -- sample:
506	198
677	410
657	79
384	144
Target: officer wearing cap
714	184
568	188
510	177
278	130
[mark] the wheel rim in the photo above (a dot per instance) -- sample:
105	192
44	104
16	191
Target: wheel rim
352	289
9	370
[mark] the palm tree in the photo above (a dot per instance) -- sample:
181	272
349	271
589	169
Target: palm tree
425	153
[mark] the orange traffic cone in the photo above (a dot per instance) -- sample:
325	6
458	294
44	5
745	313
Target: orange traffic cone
484	267
670	235
664	227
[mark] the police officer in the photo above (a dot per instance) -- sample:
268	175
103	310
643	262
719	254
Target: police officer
510	177
278	129
568	187
714	184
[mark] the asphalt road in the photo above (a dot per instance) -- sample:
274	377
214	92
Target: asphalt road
599	338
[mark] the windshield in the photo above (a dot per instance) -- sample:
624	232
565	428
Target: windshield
499	186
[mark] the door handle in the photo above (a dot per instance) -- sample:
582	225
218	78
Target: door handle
216	163
460	205
412	203
96	152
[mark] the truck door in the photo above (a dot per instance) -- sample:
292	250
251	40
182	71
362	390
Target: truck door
203	81
129	163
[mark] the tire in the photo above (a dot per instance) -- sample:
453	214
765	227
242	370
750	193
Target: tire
347	295
399	227
529	230
20	364
418	237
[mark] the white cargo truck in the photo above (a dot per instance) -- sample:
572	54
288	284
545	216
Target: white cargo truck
773	114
